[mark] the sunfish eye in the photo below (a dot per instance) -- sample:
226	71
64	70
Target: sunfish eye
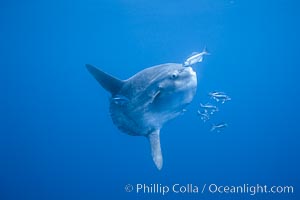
174	75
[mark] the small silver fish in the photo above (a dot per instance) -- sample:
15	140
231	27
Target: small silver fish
203	115
218	127
215	93
195	58
209	108
219	96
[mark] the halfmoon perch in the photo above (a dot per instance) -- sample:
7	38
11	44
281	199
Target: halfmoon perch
141	105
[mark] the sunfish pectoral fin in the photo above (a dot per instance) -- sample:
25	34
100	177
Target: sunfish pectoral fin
108	82
155	96
154	140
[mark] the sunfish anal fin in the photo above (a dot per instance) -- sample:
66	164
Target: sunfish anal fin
154	140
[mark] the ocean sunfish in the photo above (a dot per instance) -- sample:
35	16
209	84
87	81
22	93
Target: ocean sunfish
142	104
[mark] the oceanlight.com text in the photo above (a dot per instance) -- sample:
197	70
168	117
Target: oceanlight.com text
164	189
249	189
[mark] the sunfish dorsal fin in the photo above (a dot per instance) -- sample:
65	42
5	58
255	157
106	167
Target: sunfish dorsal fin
108	82
154	140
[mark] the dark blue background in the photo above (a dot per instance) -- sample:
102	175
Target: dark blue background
57	140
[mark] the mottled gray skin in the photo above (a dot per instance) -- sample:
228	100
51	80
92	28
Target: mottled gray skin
155	95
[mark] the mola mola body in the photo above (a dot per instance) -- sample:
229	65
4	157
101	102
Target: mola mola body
142	104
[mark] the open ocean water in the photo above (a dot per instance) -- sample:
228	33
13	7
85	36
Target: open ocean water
57	140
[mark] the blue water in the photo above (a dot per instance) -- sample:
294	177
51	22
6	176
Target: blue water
57	140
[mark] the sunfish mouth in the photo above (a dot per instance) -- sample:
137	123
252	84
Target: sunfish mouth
188	79
190	70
